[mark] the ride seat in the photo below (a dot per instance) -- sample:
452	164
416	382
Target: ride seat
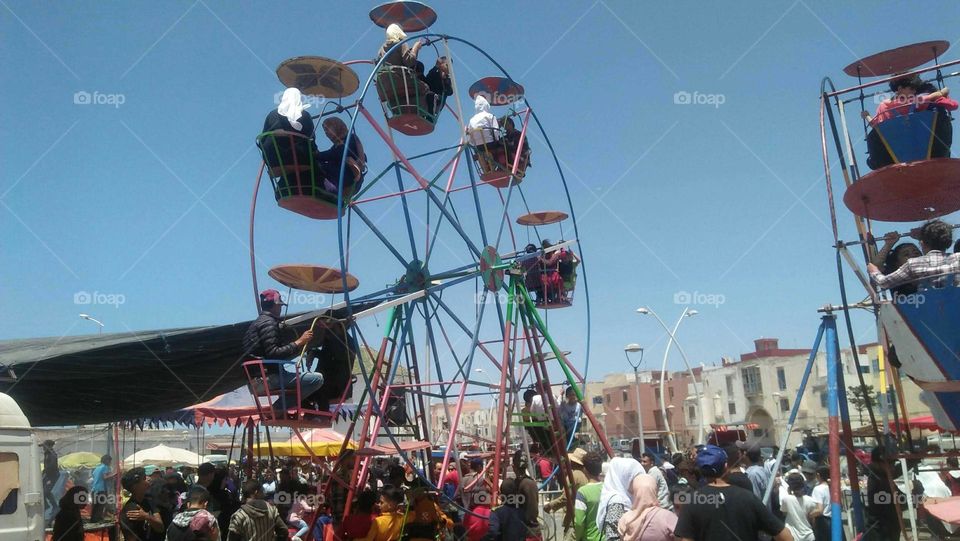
406	100
918	135
298	181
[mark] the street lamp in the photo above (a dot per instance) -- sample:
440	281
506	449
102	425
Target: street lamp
663	371
603	424
627	350
88	318
776	408
491	386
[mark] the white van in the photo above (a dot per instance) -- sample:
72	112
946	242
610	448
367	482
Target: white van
21	489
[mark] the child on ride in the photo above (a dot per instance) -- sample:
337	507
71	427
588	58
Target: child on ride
905	96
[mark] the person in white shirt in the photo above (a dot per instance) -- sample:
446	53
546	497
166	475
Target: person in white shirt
821	495
483	127
800	510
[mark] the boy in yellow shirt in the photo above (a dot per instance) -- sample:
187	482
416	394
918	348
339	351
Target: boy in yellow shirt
388	526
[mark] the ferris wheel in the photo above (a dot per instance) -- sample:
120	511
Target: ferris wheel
457	255
900	170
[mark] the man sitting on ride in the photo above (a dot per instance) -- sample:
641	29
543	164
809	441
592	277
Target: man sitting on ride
262	340
935	238
906	97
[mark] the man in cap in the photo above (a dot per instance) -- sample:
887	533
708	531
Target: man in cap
721	512
138	520
579	479
262	339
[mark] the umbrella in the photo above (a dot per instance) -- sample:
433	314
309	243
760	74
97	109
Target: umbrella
162	455
78	460
324	442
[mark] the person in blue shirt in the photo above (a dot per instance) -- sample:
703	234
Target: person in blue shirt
99	487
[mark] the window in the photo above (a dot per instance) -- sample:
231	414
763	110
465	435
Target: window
670	392
692	410
732	408
626	399
751	380
597	400
782	379
608	399
864	368
875	365
729	385
784	404
10	473
823	399
656	394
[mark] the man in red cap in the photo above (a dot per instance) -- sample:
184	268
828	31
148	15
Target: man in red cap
262	339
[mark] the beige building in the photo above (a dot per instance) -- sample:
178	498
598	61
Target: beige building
757	393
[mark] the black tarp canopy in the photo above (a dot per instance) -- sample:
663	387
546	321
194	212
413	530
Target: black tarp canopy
112	377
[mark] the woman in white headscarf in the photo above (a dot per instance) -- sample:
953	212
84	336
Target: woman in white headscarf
285	150
483	126
403	55
615	496
290	115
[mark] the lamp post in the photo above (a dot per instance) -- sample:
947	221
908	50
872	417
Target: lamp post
776	408
89	318
663	368
603	424
627	350
491	417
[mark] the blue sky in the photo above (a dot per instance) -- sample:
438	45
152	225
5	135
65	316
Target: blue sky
147	200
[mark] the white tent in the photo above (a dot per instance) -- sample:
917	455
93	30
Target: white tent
162	455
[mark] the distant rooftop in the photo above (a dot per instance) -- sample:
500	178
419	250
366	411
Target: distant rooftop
770	347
